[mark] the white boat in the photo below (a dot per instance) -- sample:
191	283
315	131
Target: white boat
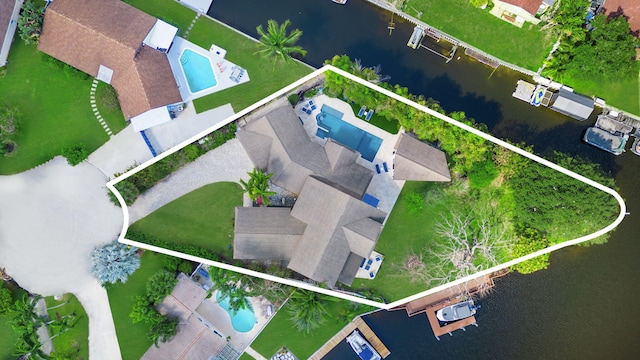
362	347
341	2
456	312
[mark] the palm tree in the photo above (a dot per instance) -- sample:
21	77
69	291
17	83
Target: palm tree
256	187
163	330
307	310
276	43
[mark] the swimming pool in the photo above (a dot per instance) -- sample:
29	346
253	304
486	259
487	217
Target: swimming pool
331	125
197	70
243	320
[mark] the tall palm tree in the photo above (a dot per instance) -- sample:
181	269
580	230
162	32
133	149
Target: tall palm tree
307	310
277	44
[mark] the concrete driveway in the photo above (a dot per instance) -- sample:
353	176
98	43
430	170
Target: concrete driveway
51	218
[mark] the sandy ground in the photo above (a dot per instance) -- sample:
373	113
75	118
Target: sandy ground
228	162
52	217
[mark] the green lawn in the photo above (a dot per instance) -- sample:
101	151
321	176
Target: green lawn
133	337
403	234
169	11
55	110
78	336
202	218
264	78
280	332
622	94
526	46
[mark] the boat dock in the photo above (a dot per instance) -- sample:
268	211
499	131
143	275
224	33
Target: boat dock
366	331
416	37
480	57
535	95
430	304
419	32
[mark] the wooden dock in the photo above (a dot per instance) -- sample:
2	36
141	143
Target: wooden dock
366	331
439	330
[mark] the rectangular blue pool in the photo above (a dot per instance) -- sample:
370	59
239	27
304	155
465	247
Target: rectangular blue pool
332	126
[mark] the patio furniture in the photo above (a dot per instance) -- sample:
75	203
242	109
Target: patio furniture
308	111
369	115
372	274
384	165
378	168
362	110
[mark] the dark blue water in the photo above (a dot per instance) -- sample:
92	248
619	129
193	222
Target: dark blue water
583	306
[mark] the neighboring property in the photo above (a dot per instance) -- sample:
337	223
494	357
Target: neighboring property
627	8
119	45
330	231
9	11
518	12
571	104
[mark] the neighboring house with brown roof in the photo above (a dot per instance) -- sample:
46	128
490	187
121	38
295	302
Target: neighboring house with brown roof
329	231
106	39
9	12
627	8
518	12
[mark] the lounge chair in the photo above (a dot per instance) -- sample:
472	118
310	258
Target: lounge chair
384	165
304	109
378	168
367	267
362	110
308	111
313	107
363	261
372	274
369	115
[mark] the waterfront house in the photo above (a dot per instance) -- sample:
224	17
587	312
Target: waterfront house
9	11
329	231
518	12
117	44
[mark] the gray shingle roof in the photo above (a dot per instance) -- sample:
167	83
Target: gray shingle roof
419	161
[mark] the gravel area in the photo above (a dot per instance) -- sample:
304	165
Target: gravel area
228	162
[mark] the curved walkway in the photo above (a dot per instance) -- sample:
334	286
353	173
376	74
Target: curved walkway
52	217
228	162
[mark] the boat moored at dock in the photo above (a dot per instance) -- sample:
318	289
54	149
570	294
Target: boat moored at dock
457	311
362	347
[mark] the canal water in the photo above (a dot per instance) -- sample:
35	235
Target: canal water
582	306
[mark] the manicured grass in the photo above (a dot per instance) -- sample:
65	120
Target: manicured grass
55	110
202	218
280	332
378	121
622	94
526	46
265	79
169	11
133	337
78	336
403	234
109	107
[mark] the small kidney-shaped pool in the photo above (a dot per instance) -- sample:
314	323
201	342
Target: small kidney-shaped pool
243	320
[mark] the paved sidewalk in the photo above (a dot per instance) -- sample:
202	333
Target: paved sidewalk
122	151
52	217
228	162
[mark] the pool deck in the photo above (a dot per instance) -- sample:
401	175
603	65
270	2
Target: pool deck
222	69
382	185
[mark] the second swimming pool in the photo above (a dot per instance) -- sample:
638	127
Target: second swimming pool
331	125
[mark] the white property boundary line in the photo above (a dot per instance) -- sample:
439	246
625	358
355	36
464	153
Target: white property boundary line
121	238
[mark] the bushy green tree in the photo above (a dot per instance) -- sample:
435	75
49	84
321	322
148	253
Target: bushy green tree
75	153
277	44
128	191
163	330
30	22
609	52
114	262
159	286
